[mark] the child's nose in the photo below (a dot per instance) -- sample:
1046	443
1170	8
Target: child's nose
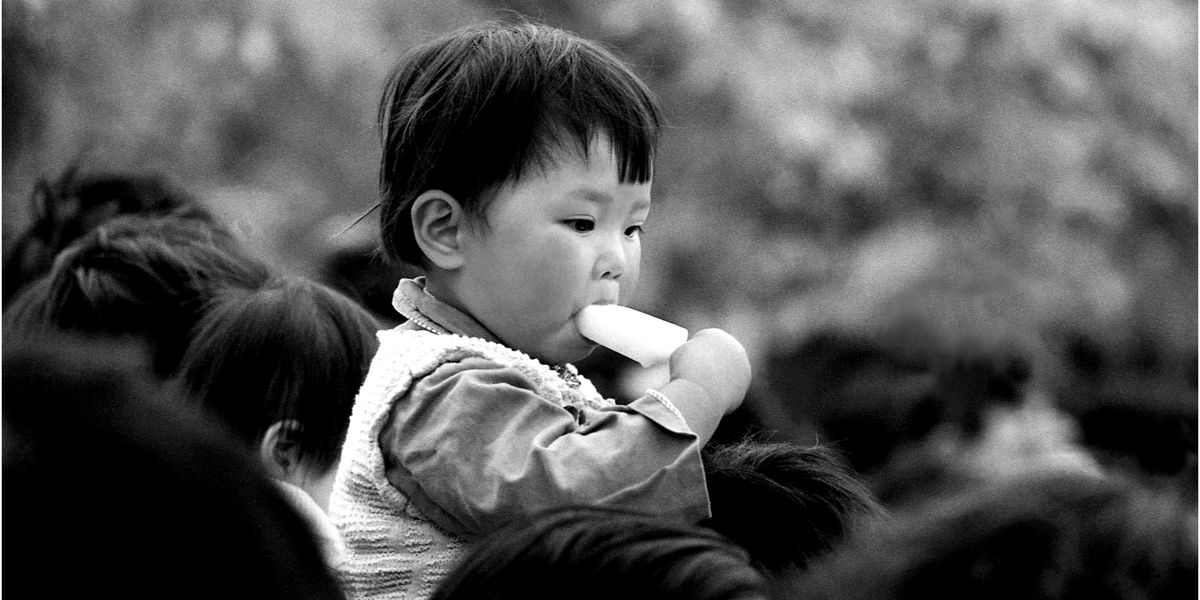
610	263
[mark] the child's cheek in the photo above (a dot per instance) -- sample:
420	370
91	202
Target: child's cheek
558	253
629	283
633	272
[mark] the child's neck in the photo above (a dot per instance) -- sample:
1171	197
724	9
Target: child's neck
438	287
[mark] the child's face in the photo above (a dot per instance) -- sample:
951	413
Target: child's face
556	241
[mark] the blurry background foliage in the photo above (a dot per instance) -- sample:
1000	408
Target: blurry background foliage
905	209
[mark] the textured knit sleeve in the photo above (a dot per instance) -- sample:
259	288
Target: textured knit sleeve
473	446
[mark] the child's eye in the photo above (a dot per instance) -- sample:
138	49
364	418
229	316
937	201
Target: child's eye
634	231
581	225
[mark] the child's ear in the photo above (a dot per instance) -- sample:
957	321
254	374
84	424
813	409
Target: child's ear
279	450
437	220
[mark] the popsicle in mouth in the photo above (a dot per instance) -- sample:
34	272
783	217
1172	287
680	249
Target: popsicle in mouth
637	335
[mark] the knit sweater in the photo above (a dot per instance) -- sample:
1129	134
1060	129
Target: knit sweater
393	550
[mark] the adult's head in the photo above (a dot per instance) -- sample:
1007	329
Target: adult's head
786	503
596	553
1052	535
280	367
115	489
66	208
139	277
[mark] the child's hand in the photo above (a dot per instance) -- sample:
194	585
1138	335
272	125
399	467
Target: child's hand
717	362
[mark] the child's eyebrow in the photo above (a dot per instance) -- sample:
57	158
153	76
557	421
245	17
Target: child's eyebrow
598	197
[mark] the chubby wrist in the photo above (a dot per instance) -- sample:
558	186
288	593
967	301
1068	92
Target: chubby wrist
693	396
701	412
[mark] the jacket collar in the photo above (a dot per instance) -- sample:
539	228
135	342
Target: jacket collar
424	310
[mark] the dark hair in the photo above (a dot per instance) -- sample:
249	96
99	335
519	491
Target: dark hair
362	273
602	553
474	109
784	502
1039	536
292	350
115	489
68	207
136	276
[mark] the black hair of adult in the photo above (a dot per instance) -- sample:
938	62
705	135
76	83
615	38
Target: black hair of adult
291	350
480	106
587	553
362	273
69	206
144	277
114	489
1050	535
786	503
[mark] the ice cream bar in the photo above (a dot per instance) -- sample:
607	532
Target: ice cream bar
643	338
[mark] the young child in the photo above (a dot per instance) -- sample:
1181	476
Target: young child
279	367
516	171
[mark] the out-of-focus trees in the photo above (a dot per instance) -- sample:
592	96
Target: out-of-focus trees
948	202
267	108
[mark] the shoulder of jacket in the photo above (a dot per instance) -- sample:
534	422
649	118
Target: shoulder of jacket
423	351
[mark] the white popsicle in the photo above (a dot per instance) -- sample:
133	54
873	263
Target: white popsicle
643	338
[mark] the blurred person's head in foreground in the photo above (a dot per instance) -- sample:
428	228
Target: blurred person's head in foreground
139	277
599	553
66	208
280	367
114	489
785	503
1049	535
1034	436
